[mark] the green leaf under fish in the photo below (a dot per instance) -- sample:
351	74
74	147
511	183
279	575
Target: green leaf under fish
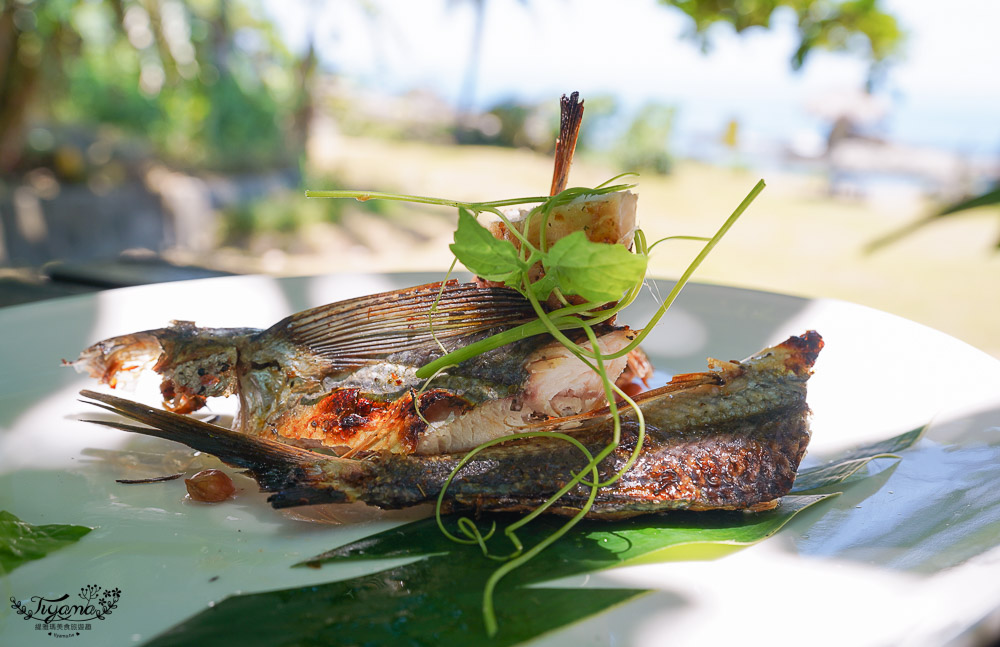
436	599
22	542
839	469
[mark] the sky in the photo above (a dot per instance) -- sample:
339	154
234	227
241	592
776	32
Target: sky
945	93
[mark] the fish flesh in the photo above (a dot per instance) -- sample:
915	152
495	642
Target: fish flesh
604	218
608	218
343	375
728	438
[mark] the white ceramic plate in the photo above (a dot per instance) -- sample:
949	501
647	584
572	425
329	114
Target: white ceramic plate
906	556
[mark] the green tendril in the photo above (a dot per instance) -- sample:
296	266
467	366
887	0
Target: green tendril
690	270
518	556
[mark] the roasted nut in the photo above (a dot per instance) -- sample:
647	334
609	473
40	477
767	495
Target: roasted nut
632	389
210	486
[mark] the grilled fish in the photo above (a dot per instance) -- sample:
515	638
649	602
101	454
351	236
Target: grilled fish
728	438
342	375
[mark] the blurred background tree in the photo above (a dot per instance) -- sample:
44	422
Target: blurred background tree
206	83
859	27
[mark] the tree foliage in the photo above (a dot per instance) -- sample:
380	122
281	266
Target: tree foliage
209	83
859	27
206	81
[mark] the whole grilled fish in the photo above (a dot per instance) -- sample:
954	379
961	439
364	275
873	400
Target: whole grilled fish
729	438
343	375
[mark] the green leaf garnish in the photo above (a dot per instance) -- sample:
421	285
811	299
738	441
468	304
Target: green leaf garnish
22	542
594	271
477	249
543	287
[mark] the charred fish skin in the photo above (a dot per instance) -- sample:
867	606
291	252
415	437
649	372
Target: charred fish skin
739	467
731	461
744	466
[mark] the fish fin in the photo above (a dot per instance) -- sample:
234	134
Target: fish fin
368	329
295	475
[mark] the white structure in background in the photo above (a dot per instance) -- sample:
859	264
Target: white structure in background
857	157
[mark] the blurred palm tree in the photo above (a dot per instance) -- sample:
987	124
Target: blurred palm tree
467	93
991	198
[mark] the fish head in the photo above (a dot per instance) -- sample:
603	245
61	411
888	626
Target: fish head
195	363
118	361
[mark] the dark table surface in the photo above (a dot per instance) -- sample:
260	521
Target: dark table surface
59	279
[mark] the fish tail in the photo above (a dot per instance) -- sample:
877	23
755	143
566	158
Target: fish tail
293	475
